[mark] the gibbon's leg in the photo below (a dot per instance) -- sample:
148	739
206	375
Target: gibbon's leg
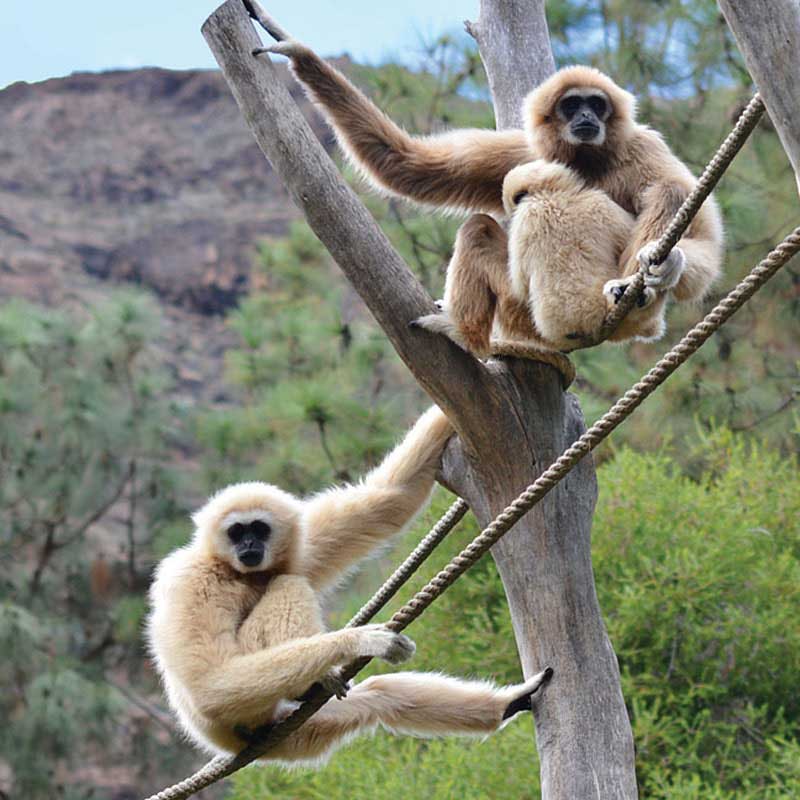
477	288
413	703
238	692
694	264
703	261
342	525
460	169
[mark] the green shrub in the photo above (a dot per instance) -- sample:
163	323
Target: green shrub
699	582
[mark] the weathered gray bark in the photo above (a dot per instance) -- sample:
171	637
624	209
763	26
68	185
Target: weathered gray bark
512	416
514	42
768	34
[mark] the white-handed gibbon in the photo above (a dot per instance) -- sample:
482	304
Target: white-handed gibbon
549	282
579	118
236	626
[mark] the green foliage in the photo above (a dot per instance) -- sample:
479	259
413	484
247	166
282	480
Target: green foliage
698	580
710	680
313	376
83	430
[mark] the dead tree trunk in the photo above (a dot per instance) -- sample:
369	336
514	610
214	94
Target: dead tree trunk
768	34
512	416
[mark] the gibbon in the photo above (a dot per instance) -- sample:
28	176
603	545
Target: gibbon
579	118
236	626
550	281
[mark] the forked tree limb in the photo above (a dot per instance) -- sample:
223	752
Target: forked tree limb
459	383
512	415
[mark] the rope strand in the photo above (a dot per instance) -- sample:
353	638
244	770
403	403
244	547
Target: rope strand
413	561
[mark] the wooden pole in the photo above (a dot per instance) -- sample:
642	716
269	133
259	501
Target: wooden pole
512	416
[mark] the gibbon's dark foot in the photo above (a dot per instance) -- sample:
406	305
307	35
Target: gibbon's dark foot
505	347
332	683
523	703
250	735
335	683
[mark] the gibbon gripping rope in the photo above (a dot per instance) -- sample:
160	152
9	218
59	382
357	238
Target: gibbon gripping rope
714	170
222	766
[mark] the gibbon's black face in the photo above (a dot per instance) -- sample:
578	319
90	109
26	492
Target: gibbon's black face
248	540
585	112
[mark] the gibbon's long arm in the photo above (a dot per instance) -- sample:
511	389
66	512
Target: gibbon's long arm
238	691
702	244
341	526
462	170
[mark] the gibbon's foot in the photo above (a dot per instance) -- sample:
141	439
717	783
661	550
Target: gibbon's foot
505	347
334	683
614	289
290	48
663	276
442	323
377	641
528	689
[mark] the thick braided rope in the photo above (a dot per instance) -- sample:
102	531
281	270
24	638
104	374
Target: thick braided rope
685	214
690	343
413	561
223	766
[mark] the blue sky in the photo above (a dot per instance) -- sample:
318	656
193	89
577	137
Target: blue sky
49	38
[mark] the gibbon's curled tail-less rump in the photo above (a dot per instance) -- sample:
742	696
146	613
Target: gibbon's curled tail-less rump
236	626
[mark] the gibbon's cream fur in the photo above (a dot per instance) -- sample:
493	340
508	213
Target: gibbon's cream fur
550	281
579	118
236	627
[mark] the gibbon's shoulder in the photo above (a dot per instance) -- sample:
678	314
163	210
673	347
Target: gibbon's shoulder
188	575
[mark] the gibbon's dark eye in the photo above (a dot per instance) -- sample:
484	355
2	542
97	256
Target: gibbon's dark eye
597	104
569	106
260	529
236	532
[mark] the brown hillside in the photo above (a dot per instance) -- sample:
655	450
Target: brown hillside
147	177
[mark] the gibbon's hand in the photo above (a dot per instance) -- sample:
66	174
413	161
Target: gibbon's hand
290	48
377	641
614	289
666	275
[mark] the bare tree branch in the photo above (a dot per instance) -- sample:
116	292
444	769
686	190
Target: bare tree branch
513	416
768	34
514	41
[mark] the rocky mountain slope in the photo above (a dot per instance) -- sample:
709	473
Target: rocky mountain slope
147	177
